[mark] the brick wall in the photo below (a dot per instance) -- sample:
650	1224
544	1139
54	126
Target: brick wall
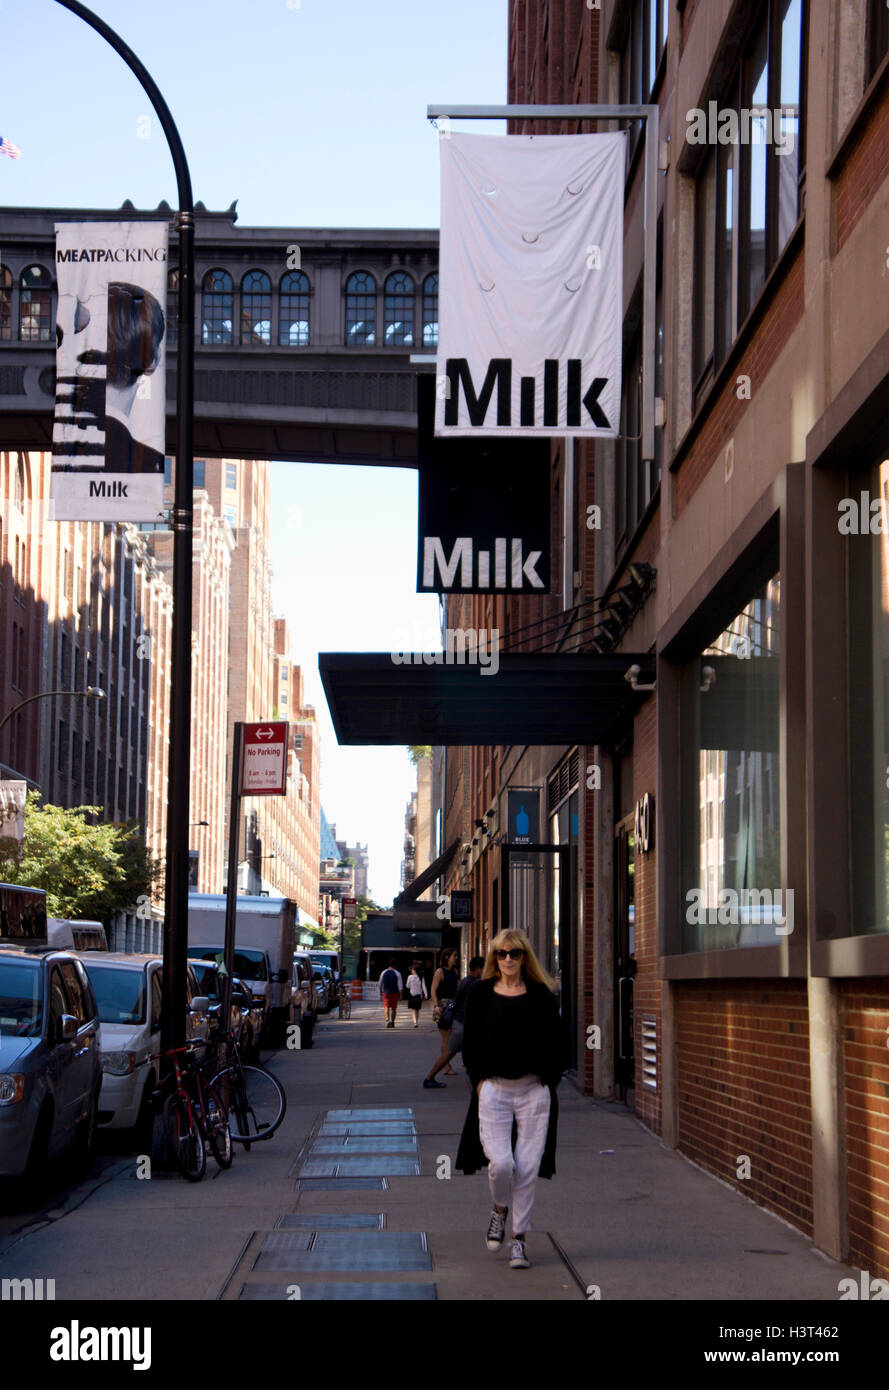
756	361
744	1088
864	169
865	1021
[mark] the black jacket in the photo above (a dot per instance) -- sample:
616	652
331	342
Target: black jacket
549	1064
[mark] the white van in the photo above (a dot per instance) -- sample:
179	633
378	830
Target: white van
66	934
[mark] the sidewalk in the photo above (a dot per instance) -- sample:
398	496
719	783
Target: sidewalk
307	1214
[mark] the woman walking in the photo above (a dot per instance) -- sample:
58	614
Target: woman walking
416	987
443	991
514	1051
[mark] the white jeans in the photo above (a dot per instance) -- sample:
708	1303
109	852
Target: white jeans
512	1176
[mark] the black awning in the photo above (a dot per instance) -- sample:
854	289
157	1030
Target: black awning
536	698
426	879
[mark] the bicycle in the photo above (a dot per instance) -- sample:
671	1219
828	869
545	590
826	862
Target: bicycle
256	1099
345	995
194	1115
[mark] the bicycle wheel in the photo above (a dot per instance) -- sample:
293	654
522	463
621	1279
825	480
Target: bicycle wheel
257	1106
186	1140
216	1123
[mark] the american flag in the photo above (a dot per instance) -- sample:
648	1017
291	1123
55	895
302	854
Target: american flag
7	147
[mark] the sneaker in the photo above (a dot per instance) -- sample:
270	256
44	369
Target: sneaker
518	1258
390	1024
496	1229
433	1085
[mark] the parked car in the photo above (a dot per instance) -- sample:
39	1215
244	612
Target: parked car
50	1061
254	1013
327	995
207	975
303	1008
251	968
129	993
329	958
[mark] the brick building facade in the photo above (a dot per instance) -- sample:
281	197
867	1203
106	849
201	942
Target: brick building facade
745	1026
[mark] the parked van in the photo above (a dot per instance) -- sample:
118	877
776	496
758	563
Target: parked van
64	933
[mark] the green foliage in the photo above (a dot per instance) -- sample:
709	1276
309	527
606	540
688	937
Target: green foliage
417	751
86	870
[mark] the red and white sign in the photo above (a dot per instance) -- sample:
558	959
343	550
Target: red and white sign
350	909
264	759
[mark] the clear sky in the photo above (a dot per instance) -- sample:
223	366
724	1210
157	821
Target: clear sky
309	114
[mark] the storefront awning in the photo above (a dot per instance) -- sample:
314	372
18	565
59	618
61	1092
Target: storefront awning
535	698
426	879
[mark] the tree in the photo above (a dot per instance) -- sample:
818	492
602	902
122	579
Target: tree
86	870
418	751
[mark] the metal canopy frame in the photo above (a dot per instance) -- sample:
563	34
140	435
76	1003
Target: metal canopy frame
595	112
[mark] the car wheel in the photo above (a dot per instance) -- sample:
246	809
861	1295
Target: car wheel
143	1129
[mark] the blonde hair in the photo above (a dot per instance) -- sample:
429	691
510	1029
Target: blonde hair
531	967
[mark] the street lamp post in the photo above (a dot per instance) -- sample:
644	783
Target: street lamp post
92	692
181	522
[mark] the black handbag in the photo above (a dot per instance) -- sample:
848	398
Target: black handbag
446	1017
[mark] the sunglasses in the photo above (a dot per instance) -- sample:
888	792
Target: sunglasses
515	954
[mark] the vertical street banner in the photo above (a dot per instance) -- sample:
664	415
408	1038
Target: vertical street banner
531	276
111	333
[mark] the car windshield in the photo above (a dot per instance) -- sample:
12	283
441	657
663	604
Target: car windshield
120	994
21	999
248	965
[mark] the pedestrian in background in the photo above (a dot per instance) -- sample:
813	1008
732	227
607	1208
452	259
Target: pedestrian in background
391	986
455	1041
514	1052
444	989
417	991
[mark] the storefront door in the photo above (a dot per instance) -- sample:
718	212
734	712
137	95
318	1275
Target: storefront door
624	955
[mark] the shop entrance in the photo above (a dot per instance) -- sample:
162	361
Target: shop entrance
528	875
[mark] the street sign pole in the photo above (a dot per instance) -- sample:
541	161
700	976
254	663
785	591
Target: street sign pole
231	899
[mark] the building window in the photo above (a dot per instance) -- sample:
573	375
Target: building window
749	190
200	466
229	513
231	477
35	305
877	35
731	783
5	304
361	309
63	751
293	329
398	310
20	484
218	307
256	308
168	471
430	311
636	481
867	563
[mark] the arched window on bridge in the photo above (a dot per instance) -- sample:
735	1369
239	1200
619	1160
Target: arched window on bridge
218	307
256	308
398	310
35	309
173	307
293	329
361	309
430	310
5	303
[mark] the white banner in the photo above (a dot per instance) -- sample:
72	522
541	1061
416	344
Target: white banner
109	430
531	266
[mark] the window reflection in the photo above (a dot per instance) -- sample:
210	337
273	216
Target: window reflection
732	893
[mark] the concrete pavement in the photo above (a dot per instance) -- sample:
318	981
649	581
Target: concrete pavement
325	1209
